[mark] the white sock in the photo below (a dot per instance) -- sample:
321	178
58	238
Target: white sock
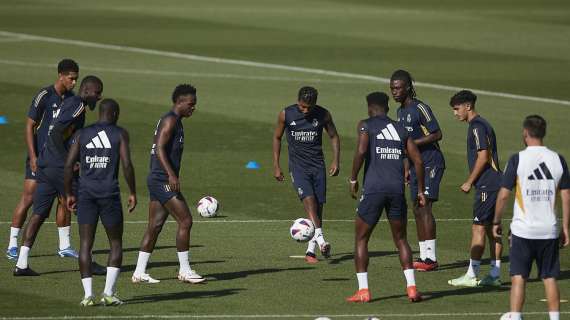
474	266
495	268
14	232
319	237
142	262
184	262
23	257
110	280
410	279
430	249
515	315
362	278
64	241
87	286
554	315
311	247
422	250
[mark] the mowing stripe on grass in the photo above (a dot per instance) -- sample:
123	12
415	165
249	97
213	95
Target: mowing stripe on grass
193	57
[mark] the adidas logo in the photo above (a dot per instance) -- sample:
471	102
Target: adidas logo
476	219
541	173
100	141
389	133
292	123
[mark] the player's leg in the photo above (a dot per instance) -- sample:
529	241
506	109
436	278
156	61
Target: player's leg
312	208
310	255
548	263
19	217
312	192
179	209
470	278
87	231
486	209
63	221
518	286
112	219
521	256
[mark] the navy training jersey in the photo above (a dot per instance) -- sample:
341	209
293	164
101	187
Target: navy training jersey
99	157
384	163
304	137
419	121
44	107
173	148
481	136
69	119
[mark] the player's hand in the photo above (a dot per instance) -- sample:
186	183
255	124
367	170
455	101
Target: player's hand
406	177
497	231
353	189
278	174
564	239
174	183
132	202
466	187
334	169
71	203
421	200
34	164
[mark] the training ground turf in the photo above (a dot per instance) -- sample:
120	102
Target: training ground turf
517	47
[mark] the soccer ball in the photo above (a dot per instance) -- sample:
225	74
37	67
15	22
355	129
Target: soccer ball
208	207
302	230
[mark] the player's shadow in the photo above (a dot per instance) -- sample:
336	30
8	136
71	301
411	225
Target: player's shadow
341	257
430	295
162	264
136	249
183	295
465	263
245	273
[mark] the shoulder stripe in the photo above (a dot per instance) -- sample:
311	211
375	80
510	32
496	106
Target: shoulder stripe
79	110
39	97
476	136
424	111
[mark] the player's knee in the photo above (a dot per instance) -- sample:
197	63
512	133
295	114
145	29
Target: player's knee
186	222
155	227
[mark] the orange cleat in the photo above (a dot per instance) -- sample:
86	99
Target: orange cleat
311	259
413	294
362	295
425	265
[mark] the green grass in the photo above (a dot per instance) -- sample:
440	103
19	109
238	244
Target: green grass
514	47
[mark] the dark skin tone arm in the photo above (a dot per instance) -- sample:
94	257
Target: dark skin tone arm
416	158
128	171
70	161
480	163
335	144
430	138
31	126
164	134
277	135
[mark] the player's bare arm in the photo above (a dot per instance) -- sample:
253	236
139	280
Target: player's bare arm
128	171
68	174
430	138
164	134
277	135
565	234
334	169
414	156
31	126
502	199
478	168
358	160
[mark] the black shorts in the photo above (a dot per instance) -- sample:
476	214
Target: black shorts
49	187
109	209
29	173
161	192
544	251
371	206
310	184
432	179
484	207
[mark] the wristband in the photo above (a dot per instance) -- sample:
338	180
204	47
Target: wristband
352	181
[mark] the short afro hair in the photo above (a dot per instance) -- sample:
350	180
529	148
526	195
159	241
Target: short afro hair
66	66
183	90
379	99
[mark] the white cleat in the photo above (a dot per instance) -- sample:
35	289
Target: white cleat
143	278
191	277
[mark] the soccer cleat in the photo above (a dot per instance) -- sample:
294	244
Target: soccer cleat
425	265
490	281
509	316
12	253
143	278
88	302
464	281
362	295
98	269
191	277
27	272
310	258
413	294
326	250
111	300
68	252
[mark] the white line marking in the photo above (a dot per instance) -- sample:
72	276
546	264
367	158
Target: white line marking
273	316
246	63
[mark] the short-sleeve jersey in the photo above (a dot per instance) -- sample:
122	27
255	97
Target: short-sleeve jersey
173	148
69	119
384	162
419	121
44	107
304	137
99	156
536	173
481	136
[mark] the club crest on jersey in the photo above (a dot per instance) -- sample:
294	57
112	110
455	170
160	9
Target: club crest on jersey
300	191
54	105
409	118
315	123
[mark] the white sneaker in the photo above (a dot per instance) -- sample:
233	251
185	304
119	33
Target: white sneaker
143	278
191	277
509	316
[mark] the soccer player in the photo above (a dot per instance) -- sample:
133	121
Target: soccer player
536	173
164	187
99	148
422	126
382	145
485	176
304	123
44	106
70	118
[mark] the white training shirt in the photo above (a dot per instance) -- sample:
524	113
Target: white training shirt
536	173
